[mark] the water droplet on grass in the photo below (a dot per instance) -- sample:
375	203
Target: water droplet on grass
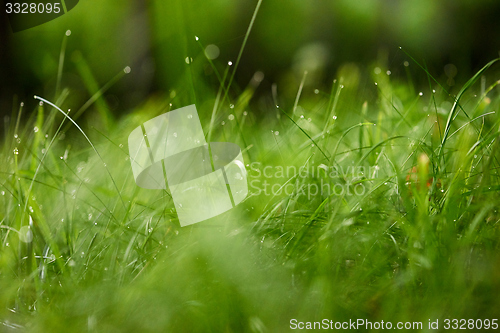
420	94
16	152
35	129
230	117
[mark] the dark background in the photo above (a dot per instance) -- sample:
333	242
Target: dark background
155	37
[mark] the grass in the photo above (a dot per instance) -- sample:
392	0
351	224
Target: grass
405	229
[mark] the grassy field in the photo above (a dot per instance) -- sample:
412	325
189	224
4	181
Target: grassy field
369	199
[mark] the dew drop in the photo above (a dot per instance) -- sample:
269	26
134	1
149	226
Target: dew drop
230	117
245	113
35	129
277	133
16	152
230	63
316	91
175	135
421	94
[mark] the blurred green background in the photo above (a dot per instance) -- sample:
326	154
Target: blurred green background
111	256
155	37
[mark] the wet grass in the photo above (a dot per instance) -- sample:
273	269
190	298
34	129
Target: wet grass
381	206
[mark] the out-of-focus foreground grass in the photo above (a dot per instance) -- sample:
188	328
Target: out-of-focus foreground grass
369	200
82	247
